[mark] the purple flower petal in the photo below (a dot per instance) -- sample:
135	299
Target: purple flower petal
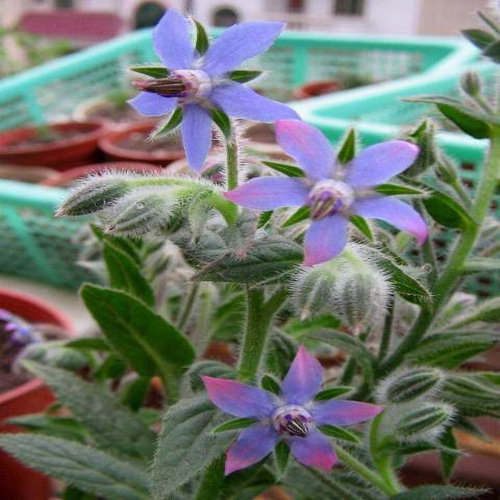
196	129
315	450
238	43
253	444
171	40
239	399
303	380
240	101
268	193
325	239
150	104
379	163
393	211
308	146
343	412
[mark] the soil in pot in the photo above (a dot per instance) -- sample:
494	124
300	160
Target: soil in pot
133	143
59	146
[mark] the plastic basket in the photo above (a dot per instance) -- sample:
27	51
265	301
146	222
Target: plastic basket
52	90
38	246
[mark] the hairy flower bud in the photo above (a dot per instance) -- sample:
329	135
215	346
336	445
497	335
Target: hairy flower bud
313	288
410	384
95	193
424	137
425	422
471	83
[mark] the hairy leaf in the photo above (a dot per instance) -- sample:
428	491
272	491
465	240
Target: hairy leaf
437	492
284	168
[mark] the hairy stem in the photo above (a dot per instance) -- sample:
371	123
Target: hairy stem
231	164
453	271
258	318
188	306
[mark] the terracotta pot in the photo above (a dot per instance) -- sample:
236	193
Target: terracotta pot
114	149
33	175
65	179
262	140
314	89
62	154
17	482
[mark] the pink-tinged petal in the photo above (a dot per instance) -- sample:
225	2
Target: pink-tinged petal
308	146
238	43
343	412
253	444
240	101
150	104
196	130
303	380
239	399
379	163
393	211
315	450
325	239
268	193
171	40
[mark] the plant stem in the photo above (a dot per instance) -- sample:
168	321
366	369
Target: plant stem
231	163
372	477
429	257
459	189
258	318
385	342
188	306
454	267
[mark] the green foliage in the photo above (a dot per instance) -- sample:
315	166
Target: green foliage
284	168
244	75
170	124
235	424
348	147
339	433
439	493
202	41
86	468
154	71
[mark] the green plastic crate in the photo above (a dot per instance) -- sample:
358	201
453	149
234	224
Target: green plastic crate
38	246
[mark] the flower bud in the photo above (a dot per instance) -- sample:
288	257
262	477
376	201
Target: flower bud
410	384
361	296
424	137
425	422
446	171
313	288
95	193
471	83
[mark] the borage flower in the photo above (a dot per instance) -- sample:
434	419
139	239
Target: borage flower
199	84
293	416
332	192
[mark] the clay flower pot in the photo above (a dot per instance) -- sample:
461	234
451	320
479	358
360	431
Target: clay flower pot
315	89
65	179
131	143
76	145
17	482
33	175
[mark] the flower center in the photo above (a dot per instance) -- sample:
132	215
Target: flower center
292	421
185	83
329	197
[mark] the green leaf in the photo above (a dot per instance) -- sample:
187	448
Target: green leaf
472	122
135	393
114	366
234	424
282	454
150	344
355	347
244	75
270	384
86	468
268	259
170	124
112	425
281	352
481	265
285	168
339	433
211	369
151	70
303	213
450	349
492	50
487	311
447	211
202	42
437	492
299	328
186	445
489	22
125	274
62	427
332	393
448	460
362	225
223	121
91	344
399	190
479	38
347	150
